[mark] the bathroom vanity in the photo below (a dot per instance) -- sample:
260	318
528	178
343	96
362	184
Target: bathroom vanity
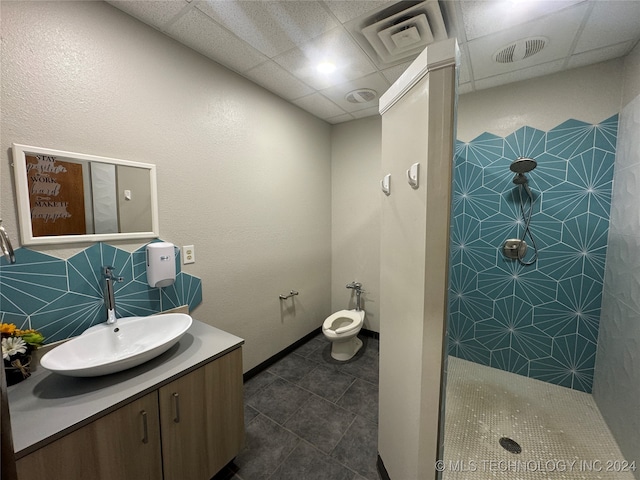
176	417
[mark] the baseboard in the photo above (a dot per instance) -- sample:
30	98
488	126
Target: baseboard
382	471
283	353
370	333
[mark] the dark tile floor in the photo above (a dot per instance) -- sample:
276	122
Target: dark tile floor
309	417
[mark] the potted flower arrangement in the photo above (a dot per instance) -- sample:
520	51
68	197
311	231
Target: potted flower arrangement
17	346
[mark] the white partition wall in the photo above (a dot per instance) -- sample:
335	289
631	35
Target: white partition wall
418	126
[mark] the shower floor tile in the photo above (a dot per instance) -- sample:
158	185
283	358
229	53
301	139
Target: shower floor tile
560	431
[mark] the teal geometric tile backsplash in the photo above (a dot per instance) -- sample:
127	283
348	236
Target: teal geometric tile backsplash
62	298
542	320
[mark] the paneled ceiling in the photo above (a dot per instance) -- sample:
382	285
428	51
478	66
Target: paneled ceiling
283	45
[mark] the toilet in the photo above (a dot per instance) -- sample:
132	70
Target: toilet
342	330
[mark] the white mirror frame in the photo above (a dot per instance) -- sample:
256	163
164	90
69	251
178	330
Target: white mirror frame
24	210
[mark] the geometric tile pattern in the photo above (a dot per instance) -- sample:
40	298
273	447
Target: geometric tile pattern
62	298
542	320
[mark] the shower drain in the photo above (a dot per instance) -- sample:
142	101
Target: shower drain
510	445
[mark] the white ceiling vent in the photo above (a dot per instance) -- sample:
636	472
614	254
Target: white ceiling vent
520	49
361	95
398	34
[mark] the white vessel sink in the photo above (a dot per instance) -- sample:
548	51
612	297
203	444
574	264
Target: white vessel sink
104	349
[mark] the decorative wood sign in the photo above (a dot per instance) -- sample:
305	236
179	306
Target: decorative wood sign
56	196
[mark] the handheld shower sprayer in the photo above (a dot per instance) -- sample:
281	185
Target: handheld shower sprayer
516	248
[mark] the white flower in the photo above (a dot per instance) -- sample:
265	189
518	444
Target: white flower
13	346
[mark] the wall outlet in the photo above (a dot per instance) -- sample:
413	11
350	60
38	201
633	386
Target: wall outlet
188	254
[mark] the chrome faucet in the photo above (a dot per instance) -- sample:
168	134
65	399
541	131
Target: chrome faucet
109	298
357	287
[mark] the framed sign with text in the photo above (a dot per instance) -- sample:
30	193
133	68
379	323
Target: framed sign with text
66	197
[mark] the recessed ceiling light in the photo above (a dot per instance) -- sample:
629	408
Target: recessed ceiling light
326	67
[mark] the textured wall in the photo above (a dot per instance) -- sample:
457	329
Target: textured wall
242	174
616	385
542	320
355	215
588	93
62	298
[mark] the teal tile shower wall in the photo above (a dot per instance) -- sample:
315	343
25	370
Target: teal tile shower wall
62	298
539	321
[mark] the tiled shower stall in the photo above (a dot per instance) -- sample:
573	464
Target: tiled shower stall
542	320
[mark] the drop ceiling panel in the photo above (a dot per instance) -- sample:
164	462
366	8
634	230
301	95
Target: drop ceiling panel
600	55
560	29
375	82
298	34
273	77
340	118
319	105
392	74
335	46
199	32
346	10
156	14
465	68
608	26
482	18
366	112
271	27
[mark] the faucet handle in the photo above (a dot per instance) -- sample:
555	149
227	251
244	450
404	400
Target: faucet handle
107	272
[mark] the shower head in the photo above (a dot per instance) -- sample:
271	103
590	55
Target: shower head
522	165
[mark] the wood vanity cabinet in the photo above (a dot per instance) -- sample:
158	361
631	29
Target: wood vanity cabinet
202	418
112	447
191	427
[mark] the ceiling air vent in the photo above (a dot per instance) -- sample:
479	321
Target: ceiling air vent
399	34
361	95
520	49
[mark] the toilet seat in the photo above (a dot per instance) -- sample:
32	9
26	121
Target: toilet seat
356	320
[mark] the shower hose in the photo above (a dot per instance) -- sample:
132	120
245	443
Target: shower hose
527	221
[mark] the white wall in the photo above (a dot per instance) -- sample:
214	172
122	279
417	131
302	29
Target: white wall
355	215
616	383
590	94
242	174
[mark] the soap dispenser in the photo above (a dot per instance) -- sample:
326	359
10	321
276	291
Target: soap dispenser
161	264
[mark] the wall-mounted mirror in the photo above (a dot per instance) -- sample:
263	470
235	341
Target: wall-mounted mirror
66	197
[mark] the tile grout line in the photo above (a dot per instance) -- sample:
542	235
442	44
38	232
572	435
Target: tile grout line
334	369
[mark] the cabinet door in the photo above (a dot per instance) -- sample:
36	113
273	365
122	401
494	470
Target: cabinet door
123	445
202	421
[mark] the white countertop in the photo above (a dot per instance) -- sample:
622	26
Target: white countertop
46	406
